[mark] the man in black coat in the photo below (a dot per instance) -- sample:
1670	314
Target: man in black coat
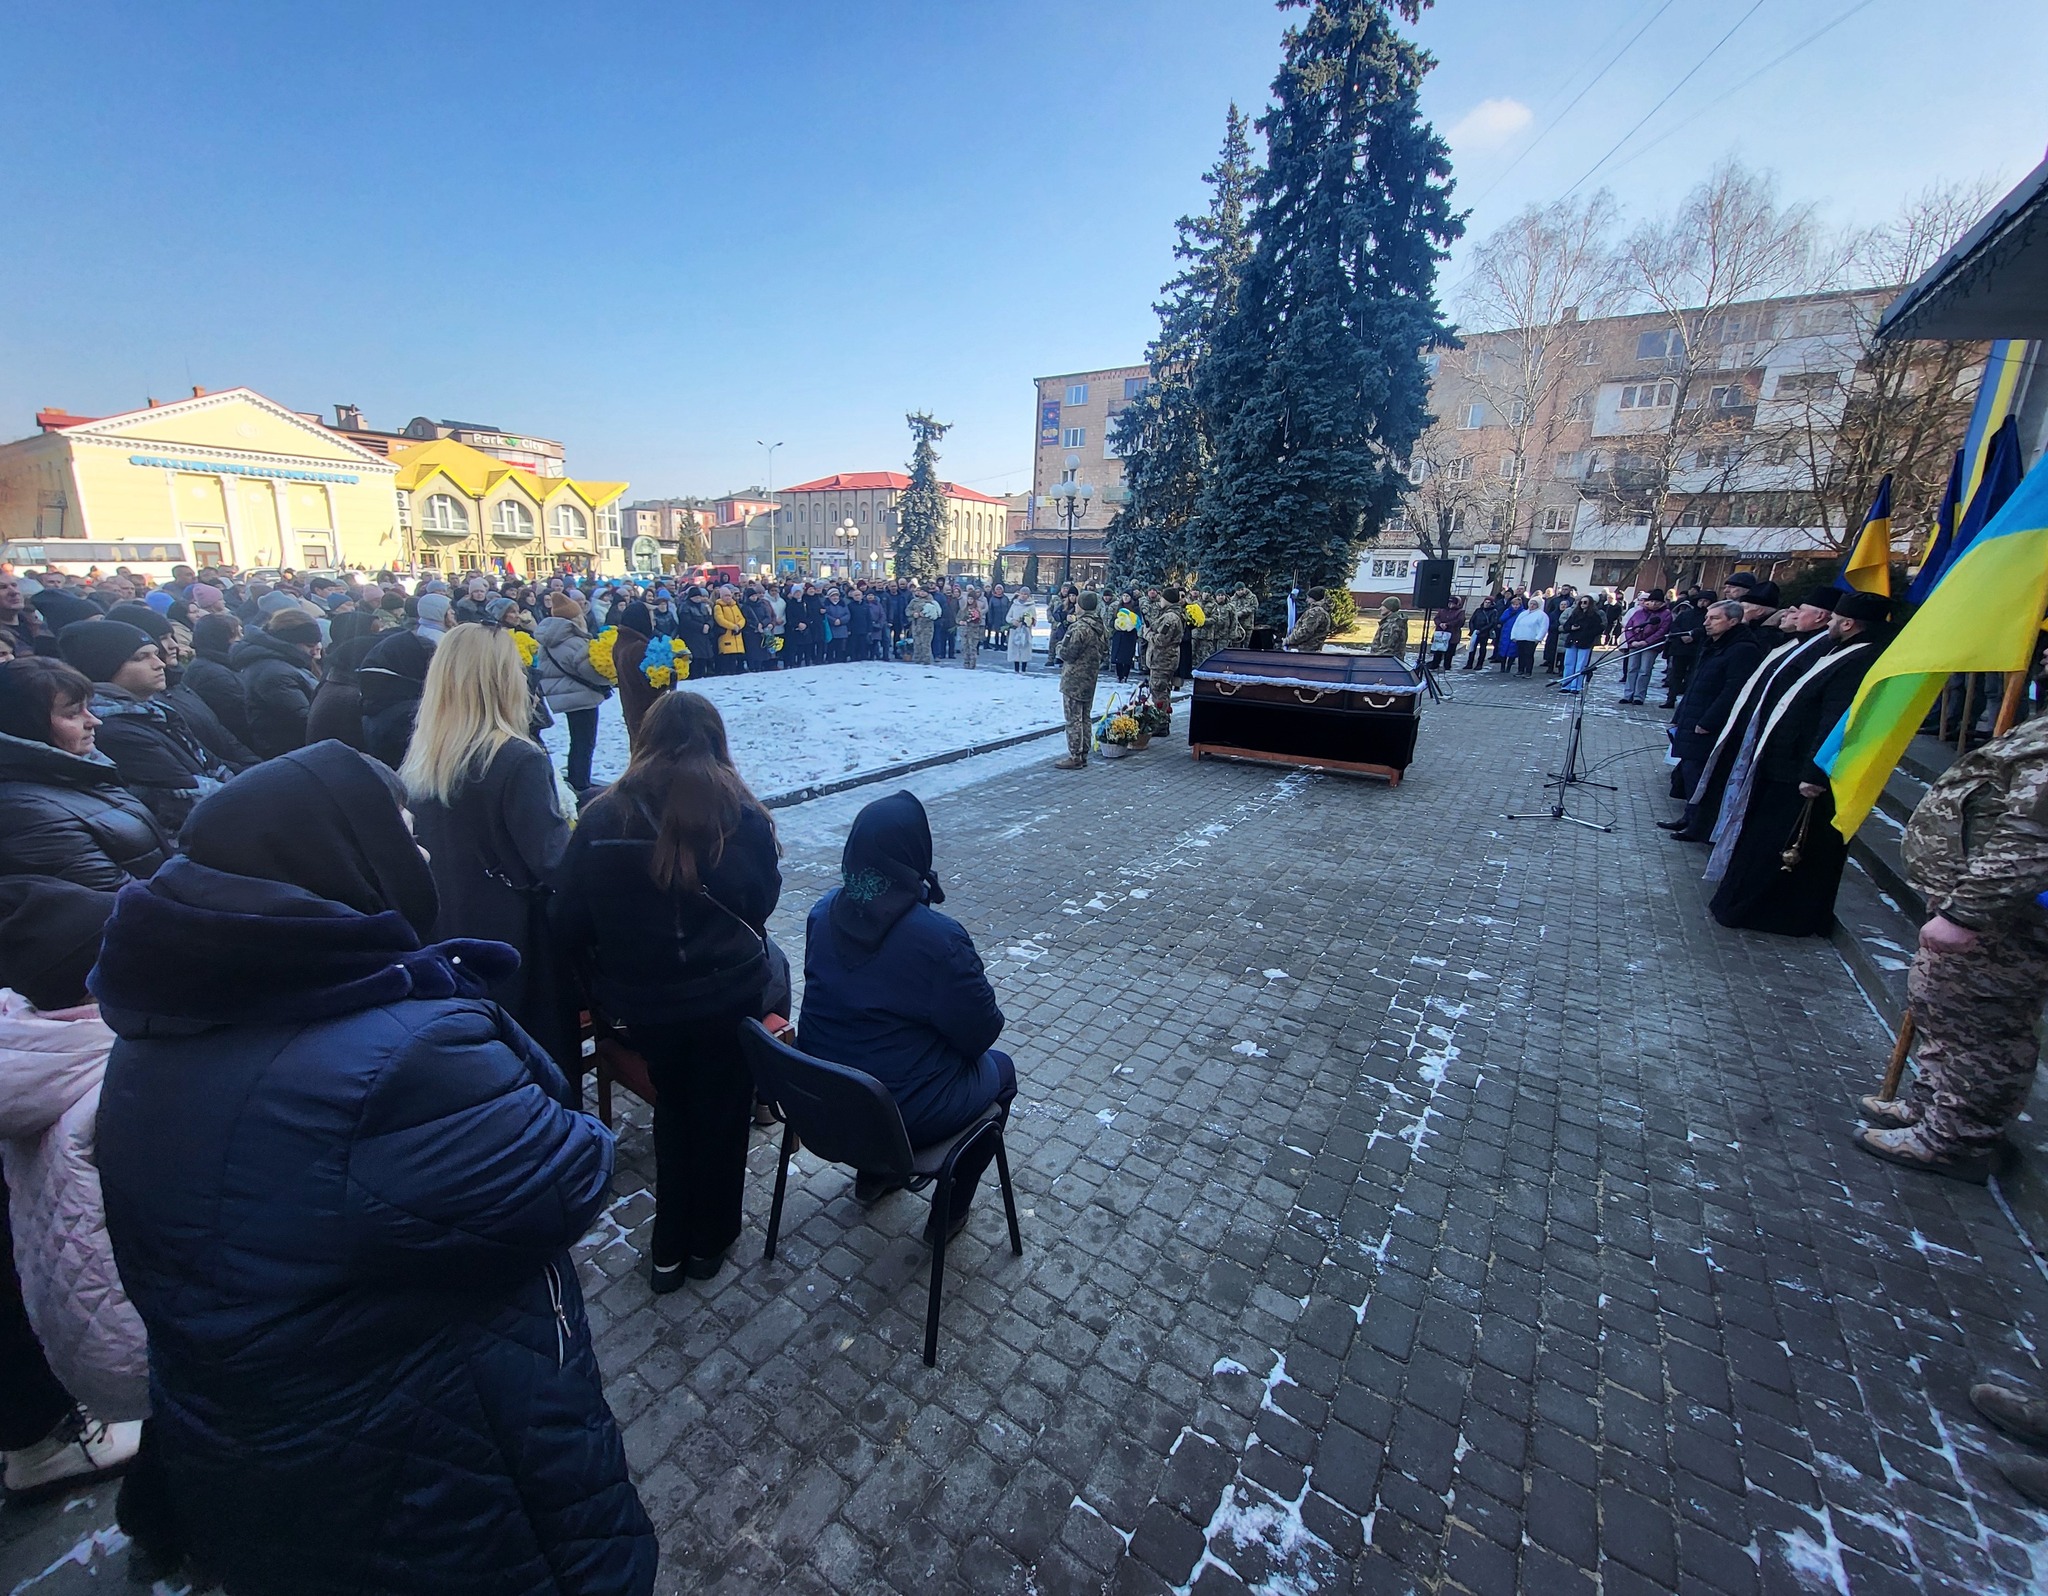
1682	645
278	680
157	755
1729	653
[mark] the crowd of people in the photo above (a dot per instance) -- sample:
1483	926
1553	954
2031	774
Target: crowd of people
301	947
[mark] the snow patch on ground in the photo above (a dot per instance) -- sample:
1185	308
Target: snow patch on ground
1249	1049
791	729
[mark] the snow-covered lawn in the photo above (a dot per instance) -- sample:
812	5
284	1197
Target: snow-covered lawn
792	729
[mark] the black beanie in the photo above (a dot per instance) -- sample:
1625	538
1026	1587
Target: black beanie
59	609
294	626
100	648
1090	602
141	615
50	934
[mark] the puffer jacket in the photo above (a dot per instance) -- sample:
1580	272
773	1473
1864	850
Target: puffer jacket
278	681
157	755
210	677
67	816
50	1071
341	1186
567	678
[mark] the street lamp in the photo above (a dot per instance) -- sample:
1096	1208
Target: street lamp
1070	500
849	534
768	491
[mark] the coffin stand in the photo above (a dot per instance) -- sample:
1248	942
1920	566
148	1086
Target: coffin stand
1326	711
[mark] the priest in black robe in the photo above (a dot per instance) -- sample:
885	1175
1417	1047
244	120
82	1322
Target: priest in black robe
1787	653
1777	856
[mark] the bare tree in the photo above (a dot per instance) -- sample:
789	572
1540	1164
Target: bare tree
1447	498
1533	281
1728	245
1864	408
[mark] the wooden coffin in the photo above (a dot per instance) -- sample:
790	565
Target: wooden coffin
1335	711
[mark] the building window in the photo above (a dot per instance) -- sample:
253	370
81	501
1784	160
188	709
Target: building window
205	554
1459	470
1734	395
1074	437
1657	345
1648	395
1588	356
1717	455
511	519
1576	408
1135	386
1806	385
313	556
1432	363
1518	412
569	522
445	513
1471	416
1418	471
1510	468
1565	465
1077	393
1555	520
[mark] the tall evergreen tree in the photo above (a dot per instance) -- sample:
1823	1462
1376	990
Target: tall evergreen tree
921	514
1162	436
1316	385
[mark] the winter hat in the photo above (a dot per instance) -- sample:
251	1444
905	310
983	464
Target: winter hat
499	611
100	648
276	602
143	616
1090	603
1872	609
50	934
59	609
394	602
1390	604
160	601
205	596
564	608
294	626
1764	593
1742	579
433	608
1823	598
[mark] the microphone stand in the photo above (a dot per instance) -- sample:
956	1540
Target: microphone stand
1573	775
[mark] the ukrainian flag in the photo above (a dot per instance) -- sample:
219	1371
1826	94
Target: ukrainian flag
1867	567
1996	391
1983	615
1938	547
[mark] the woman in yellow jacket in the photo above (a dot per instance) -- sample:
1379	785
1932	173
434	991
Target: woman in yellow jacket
731	622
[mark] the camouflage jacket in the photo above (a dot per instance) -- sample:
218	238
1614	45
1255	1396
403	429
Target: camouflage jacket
1083	648
1311	630
1392	635
1164	628
1977	846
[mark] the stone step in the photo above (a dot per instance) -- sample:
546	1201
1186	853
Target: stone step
1876	848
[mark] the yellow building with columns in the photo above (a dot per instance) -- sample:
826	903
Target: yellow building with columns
228	478
466	510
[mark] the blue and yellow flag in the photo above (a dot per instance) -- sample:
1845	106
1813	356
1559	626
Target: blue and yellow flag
1997	390
1867	567
1983	615
1940	546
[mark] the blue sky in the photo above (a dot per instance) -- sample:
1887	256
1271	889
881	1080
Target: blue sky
662	231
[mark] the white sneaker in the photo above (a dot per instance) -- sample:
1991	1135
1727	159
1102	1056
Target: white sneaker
74	1451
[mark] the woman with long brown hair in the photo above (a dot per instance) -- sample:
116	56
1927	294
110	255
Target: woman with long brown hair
663	901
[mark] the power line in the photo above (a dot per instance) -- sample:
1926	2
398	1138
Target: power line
1551	126
1730	93
1666	100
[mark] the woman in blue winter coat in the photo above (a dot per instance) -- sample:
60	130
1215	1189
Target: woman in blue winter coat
341	1186
894	988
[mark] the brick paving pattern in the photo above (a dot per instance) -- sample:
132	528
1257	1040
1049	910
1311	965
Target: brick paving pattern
1413	1200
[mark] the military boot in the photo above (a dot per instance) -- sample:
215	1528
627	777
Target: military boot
1069	763
1894	1112
2020	1416
2028	1476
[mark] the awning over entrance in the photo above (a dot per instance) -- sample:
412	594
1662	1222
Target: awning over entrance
1994	284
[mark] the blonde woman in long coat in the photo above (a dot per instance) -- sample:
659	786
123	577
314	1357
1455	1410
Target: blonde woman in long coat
1023	616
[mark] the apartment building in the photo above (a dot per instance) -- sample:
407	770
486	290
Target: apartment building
844	526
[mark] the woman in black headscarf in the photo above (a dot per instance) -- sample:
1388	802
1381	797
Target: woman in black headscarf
894	988
389	681
341	1186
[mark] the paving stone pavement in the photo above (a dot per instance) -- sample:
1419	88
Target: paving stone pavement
1413	1200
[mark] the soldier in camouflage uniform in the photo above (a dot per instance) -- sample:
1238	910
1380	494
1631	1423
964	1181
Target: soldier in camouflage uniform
1083	647
1392	635
1312	626
1977	852
1164	628
1244	616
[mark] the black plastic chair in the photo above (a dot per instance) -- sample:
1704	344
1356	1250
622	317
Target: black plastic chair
846	1117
